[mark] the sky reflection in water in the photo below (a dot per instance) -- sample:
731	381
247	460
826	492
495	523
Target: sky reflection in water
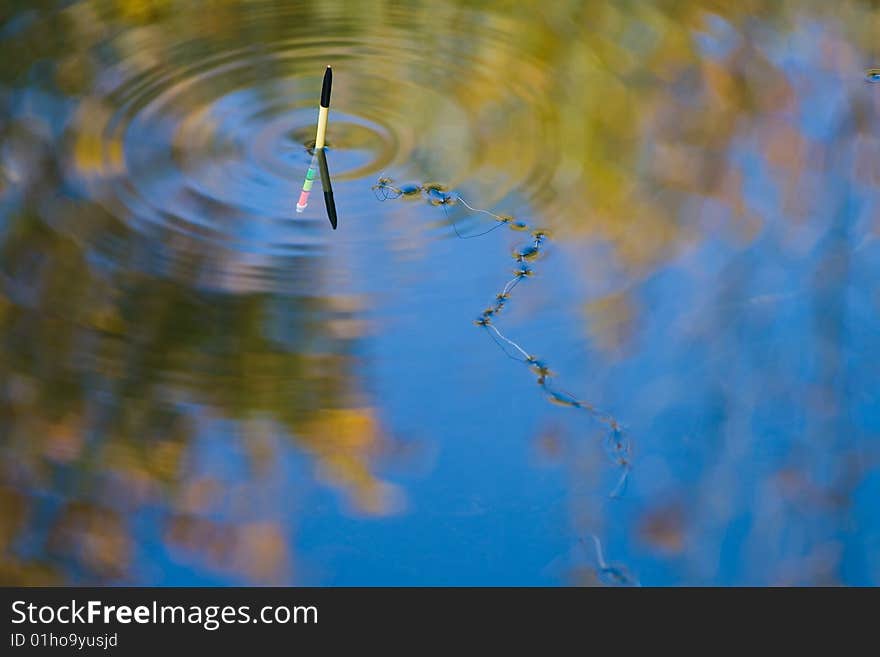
198	385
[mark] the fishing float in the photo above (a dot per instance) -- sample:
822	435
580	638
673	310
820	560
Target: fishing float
324	108
323	115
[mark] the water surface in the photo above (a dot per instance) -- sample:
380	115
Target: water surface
200	386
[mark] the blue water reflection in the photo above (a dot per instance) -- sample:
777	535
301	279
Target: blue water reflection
200	386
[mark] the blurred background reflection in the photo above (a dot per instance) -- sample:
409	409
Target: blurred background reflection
198	386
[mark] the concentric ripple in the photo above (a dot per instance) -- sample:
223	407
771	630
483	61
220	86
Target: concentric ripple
204	132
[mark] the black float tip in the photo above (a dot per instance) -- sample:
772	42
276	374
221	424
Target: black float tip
325	88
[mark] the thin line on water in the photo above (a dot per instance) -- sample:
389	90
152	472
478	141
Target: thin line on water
618	444
504	349
510	342
498	217
468	237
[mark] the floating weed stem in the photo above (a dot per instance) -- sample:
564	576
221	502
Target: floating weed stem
616	443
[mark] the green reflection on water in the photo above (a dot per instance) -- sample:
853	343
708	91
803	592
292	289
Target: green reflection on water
610	118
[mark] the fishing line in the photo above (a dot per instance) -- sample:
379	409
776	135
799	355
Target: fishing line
504	350
616	442
510	342
467	237
611	574
498	217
